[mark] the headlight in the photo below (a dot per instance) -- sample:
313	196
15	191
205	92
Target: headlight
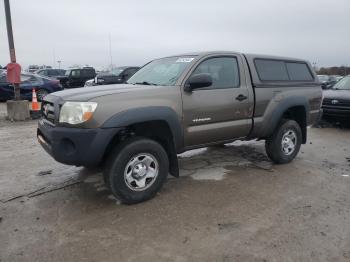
77	112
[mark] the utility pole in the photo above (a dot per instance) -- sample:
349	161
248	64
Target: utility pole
110	50
314	66
54	58
11	43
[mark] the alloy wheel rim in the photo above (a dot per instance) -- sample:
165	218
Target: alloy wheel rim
289	142
141	172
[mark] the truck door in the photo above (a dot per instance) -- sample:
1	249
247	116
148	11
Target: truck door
221	111
74	78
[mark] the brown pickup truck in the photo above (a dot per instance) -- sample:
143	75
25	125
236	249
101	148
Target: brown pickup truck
173	104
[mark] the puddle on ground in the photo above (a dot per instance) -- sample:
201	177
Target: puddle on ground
214	163
216	173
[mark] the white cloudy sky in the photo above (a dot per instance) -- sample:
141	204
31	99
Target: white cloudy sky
77	30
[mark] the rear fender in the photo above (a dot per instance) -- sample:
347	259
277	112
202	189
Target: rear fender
275	111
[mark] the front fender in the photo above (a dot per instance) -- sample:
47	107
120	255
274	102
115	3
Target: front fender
144	114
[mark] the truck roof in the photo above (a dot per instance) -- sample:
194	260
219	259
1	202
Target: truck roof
310	77
248	55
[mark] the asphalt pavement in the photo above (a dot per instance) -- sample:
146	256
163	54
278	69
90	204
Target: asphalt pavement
230	204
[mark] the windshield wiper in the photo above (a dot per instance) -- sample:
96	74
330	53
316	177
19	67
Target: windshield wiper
145	83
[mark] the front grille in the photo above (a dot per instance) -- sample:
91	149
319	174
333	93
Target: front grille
337	103
48	111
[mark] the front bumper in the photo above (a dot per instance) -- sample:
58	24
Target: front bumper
75	146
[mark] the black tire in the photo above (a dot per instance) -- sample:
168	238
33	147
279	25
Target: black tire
273	145
118	161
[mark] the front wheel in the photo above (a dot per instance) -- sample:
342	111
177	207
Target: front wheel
283	146
136	170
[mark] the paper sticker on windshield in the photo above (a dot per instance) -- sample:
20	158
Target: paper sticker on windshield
184	60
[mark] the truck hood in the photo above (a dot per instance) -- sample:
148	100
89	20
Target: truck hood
337	94
88	93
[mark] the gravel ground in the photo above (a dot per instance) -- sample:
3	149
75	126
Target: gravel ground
230	204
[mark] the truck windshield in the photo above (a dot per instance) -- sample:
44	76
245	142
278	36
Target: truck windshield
165	71
67	73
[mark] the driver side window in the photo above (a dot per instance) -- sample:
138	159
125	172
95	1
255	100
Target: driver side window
223	71
75	73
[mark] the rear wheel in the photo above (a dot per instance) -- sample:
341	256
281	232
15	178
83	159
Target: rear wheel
284	144
136	170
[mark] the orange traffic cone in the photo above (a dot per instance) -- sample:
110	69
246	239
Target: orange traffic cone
35	113
35	104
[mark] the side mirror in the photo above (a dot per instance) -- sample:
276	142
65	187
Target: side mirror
198	81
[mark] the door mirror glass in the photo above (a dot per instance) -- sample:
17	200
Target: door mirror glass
198	81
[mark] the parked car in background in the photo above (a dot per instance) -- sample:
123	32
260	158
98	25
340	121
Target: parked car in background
328	81
43	86
332	80
336	102
338	77
33	68
118	75
90	82
323	80
49	72
45	67
77	77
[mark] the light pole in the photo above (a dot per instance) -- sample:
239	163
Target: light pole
110	50
54	58
17	110
11	43
314	65
59	64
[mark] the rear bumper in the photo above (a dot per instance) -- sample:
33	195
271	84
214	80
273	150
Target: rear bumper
75	146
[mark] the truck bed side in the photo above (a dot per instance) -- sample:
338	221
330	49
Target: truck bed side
275	99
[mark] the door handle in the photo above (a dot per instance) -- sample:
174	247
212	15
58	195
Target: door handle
241	97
